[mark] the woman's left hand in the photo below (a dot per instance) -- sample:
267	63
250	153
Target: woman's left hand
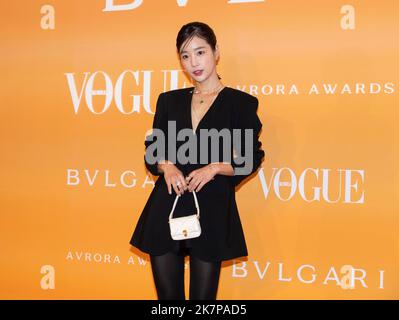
199	177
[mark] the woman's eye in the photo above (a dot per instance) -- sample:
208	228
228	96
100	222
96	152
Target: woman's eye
199	52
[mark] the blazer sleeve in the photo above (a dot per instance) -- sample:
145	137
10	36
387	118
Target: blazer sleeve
246	118
160	122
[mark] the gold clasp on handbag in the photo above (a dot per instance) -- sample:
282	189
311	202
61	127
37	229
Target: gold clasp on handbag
185	227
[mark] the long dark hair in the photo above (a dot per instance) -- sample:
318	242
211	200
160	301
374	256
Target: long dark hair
199	29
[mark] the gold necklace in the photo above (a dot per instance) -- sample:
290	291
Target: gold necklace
195	113
201	92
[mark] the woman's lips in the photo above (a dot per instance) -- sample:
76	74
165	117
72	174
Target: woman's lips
198	72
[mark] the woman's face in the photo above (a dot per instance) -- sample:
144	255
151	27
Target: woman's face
197	55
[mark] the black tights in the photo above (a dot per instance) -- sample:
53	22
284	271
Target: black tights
168	273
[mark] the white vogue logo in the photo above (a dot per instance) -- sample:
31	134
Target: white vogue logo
139	78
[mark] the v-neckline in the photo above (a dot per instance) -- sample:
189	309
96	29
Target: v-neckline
190	100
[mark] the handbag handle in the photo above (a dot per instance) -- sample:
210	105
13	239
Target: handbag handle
177	198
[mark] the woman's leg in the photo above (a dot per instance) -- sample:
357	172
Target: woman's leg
168	273
204	279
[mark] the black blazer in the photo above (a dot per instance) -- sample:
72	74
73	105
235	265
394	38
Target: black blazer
222	236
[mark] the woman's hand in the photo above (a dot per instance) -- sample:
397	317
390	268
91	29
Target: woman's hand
198	178
173	178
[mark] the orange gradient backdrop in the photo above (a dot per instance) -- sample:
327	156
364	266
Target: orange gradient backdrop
74	183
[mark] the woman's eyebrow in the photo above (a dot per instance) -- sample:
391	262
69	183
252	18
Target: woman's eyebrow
194	49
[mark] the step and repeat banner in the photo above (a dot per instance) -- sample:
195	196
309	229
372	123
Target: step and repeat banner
80	80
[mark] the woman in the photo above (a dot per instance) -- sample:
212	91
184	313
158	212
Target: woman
207	105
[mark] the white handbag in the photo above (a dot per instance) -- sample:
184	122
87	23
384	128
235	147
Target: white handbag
186	227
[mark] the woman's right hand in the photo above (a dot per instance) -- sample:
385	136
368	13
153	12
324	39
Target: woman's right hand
173	176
